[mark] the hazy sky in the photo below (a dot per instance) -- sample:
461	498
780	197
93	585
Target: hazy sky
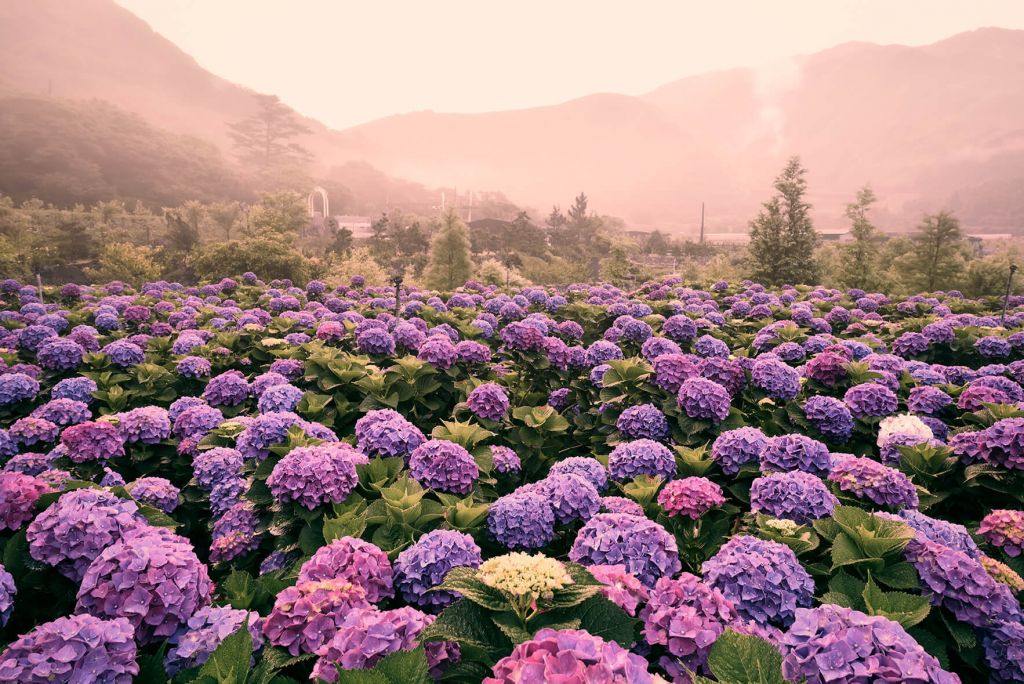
346	62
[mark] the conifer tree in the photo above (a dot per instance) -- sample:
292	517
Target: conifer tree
450	265
782	237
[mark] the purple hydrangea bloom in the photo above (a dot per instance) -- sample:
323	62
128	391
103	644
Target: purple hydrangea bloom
523	519
641	457
795	452
703	399
443	466
7	593
686	616
73	531
123	353
15	387
645	421
30	463
307	616
60	354
488	401
1004	529
778	380
146	425
797	496
316	475
690	497
830	416
620	587
30	431
18	495
230	388
871	400
831	643
216	465
1002	444
193	367
78	388
92	441
670	370
157	492
584	466
263	432
762	578
438	351
735	448
572	657
505	460
80	648
375	341
927	400
619	504
366	636
63	412
871	480
152	577
961	585
1004	652
939	531
423	566
469	351
827	368
642	546
390	438
198	638
352	560
572	497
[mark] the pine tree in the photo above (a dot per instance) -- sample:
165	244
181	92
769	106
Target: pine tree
263	141
937	262
782	237
860	259
450	265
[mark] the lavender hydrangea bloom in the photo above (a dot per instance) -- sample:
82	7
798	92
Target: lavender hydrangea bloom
308	615
152	577
572	497
395	437
316	475
230	388
1004	529
353	560
703	399
123	353
795	452
145	425
30	431
60	354
198	638
92	441
193	367
735	448
367	635
63	412
670	370
15	387
645	421
1003	443
778	380
690	497
216	465
423	566
641	457
642	546
570	657
939	531
685	616
620	504
157	492
584	466
505	460
488	401
376	342
73	531
80	648
797	496
929	401
1004	652
620	587
762	578
960	584
7	593
438	351
868	479
523	519
831	643
18	495
279	398
830	416
871	400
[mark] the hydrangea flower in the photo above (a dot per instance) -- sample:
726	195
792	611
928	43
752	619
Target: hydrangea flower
734	448
150	576
584	466
762	578
80	648
443	466
797	496
423	566
157	492
230	388
1001	572
871	480
313	476
16	387
645	421
620	587
703	399
18	495
572	657
1004	652
7	592
522	520
871	400
353	560
367	635
1004	529
488	401
830	416
831	643
642	546
504	460
641	457
525	576
145	425
619	504
390	438
775	378
279	398
573	497
200	636
95	440
795	452
307	616
1002	444
690	497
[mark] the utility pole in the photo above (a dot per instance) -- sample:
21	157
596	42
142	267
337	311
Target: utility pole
1006	298
702	223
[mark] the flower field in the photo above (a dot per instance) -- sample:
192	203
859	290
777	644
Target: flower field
255	483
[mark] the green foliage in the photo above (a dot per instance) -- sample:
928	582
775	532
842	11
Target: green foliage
128	263
450	265
741	659
860	258
938	259
267	255
278	213
782	237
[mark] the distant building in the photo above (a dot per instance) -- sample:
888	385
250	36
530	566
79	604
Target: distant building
361	226
984	243
835	236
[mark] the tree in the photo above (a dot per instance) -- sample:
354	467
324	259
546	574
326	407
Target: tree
578	211
182	235
269	256
860	265
225	215
782	237
556	219
264	140
121	261
341	243
449	265
938	261
656	243
283	213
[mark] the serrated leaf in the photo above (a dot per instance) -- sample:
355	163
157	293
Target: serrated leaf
900	575
401	667
464	581
602	618
230	661
741	659
470	625
906	609
239	589
510	624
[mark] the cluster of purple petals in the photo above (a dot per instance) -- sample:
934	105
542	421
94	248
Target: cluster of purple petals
871	400
18	495
204	631
523	519
620	504
279	398
735	448
762	578
230	388
80	648
1002	444
690	497
670	370
157	492
423	566
193	367
797	496
929	401
703	399
641	457
572	497
92	441
1004	652
393	437
620	587
488	401
216	465
778	380
830	417
584	466
795	452
145	425
827	368
443	466
73	531
63	412
504	460
352	560
365	636
307	616
645	421
316	475
16	387
890	454
1004	529
939	531
569	657
7	593
438	351
152	577
831	643
640	545
871	480
30	431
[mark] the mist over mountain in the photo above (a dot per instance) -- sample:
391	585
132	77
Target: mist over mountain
929	127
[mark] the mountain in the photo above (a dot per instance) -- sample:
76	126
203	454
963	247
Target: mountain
929	127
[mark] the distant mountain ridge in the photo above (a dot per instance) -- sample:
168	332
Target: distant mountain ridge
929	127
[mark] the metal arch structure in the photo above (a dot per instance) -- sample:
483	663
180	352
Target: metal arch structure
311	202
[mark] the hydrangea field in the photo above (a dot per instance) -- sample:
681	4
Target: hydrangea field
257	483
